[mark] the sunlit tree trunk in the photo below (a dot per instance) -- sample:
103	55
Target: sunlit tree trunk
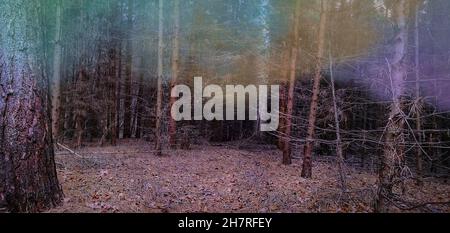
392	160
307	156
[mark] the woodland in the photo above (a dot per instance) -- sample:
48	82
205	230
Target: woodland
85	106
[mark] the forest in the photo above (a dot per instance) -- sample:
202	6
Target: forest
357	105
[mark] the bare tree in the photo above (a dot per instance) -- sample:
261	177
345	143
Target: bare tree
290	95
392	160
307	156
56	80
159	84
175	69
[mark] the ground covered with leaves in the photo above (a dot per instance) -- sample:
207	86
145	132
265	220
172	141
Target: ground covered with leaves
129	178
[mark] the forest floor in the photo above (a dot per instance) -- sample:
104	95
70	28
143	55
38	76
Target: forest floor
129	178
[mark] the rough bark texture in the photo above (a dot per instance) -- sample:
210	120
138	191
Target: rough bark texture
392	161
307	156
28	181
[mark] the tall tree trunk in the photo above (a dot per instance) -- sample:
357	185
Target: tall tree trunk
175	70
418	99
307	156
118	90
56	80
28	180
290	95
114	96
128	78
392	160
159	85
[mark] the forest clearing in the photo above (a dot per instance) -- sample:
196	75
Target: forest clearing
223	179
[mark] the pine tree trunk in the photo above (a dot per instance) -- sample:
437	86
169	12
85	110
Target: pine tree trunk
392	160
139	107
419	137
307	156
56	81
175	71
291	88
28	179
159	84
127	126
114	81
118	90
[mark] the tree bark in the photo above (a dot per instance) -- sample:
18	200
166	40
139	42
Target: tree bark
307	156
28	179
159	84
290	92
175	71
340	156
128	78
56	80
392	160
139	107
418	100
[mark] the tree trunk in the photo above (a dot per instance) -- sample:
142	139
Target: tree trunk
282	125
340	156
175	70
307	156
114	81
392	160
290	95
56	81
419	137
28	179
128	78
139	107
118	90
159	85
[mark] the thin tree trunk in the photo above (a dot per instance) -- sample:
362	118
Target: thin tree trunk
139	107
392	160
56	80
290	95
128	78
114	95
175	70
307	156
118	90
159	85
418	111
340	157
282	125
